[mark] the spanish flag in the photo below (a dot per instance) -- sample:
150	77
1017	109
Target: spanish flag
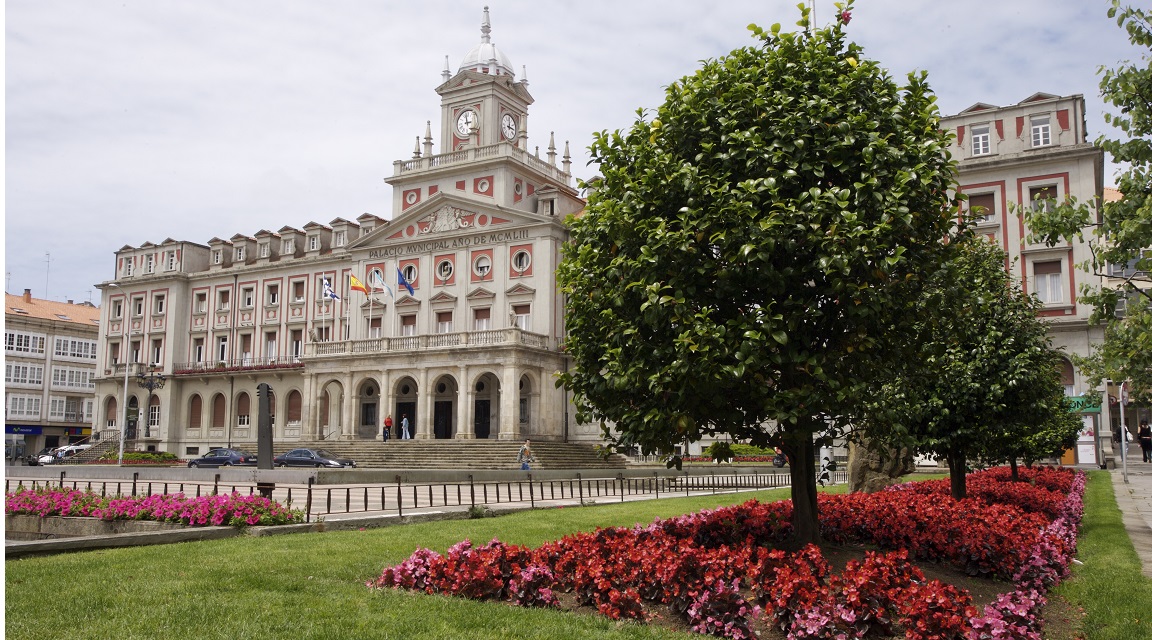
355	285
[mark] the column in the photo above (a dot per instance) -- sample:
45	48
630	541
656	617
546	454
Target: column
386	404
423	424
509	401
466	430
348	420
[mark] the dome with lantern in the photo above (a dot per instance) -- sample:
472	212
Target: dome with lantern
485	57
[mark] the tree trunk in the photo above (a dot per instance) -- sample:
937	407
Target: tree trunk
805	516
1015	471
958	474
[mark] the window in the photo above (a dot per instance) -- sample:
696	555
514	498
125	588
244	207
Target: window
24	407
1042	198
149	263
114	353
313	243
17	373
171	260
981	140
443	322
982	207
217	256
322	334
243	410
521	261
522	316
239	254
198	350
138	306
408	325
128	266
135	351
73	378
247	297
17	342
223	300
1048	282
339	239
297	344
117	310
481	319
273	295
270	345
222	348
410	273
195	411
1041	131
287	247
73	348
264	250
157	351
158	304
482	266
246	348
199	302
298	291
153	416
444	270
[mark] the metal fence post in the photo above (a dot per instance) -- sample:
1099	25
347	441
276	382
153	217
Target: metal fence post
472	490
307	501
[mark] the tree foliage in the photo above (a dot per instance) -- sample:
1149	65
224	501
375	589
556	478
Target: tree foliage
738	268
986	382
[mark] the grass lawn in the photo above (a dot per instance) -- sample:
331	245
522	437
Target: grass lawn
312	586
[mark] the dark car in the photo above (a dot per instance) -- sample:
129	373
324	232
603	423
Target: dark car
35	460
224	458
312	458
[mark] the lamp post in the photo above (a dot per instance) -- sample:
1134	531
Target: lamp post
151	380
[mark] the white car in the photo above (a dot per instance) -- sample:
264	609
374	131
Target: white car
58	454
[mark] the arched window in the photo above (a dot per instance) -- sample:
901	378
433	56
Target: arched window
111	412
195	411
243	410
295	403
219	411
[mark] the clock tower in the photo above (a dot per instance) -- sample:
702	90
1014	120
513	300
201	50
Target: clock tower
483	104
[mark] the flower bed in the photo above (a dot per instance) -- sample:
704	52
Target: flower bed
227	509
719	572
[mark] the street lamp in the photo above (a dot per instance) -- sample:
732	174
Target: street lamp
151	380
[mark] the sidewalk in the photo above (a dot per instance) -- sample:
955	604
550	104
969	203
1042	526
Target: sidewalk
1135	501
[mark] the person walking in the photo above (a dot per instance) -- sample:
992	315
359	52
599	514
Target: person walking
1144	435
524	456
387	427
404	434
825	472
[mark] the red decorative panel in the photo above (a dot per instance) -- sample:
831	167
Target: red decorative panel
415	282
433	189
461	185
451	258
513	255
483	186
1019	126
409	198
1062	119
517	190
531	189
1000	129
960	135
486	277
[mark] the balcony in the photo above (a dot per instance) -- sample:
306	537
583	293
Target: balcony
473	154
433	342
241	365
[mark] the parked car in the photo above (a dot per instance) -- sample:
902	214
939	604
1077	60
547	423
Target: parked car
312	458
60	453
35	460
224	458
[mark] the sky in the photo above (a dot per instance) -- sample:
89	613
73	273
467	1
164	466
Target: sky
134	121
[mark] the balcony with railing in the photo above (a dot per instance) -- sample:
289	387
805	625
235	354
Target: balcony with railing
474	154
512	336
236	365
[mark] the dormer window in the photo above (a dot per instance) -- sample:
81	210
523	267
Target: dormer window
981	140
313	243
149	264
339	239
288	247
239	254
264	251
217	256
171	260
128	267
1041	131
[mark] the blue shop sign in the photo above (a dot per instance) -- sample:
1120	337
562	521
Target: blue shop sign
31	431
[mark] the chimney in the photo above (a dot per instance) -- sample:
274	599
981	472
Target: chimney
27	295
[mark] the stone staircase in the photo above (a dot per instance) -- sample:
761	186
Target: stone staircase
95	453
455	454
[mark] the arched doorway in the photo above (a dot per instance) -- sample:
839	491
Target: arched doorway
444	392
406	393
133	417
329	420
526	406
367	425
486	405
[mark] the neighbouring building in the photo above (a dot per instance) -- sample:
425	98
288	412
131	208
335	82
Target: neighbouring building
448	313
50	355
1035	154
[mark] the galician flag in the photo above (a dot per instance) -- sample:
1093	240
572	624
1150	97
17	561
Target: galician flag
354	284
328	292
378	283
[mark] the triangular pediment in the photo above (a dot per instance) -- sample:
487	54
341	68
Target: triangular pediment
407	301
479	293
979	106
443	296
519	290
1039	97
373	305
446	216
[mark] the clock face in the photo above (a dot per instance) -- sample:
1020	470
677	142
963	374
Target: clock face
465	122
508	126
